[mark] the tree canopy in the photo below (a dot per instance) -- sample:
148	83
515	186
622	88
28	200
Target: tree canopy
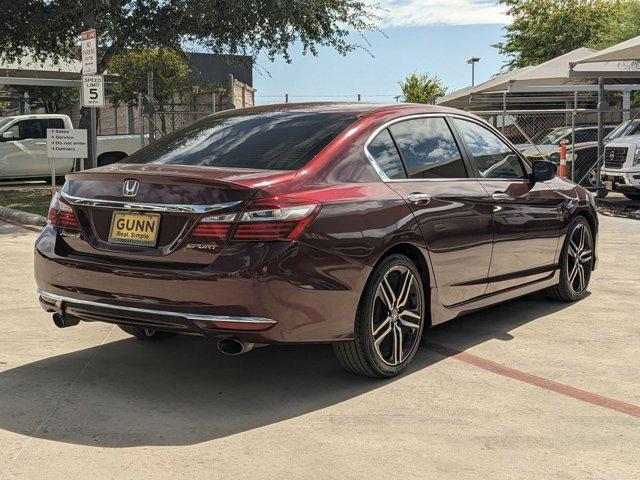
627	26
50	28
544	29
170	72
422	88
52	99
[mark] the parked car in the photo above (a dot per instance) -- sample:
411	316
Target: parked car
23	146
583	156
621	169
351	224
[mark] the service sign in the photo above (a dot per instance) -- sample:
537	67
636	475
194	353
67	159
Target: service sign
93	91
66	143
89	52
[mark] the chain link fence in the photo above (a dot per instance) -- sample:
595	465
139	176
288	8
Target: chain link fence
539	134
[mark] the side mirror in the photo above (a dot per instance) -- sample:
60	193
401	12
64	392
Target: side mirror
543	170
7	136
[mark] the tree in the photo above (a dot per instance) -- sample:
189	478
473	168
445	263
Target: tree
422	88
544	29
170	72
52	99
628	26
50	28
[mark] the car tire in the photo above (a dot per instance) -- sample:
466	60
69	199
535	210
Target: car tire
633	196
576	263
146	334
389	321
602	193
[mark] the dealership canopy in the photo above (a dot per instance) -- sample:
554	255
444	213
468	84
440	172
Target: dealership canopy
555	72
627	50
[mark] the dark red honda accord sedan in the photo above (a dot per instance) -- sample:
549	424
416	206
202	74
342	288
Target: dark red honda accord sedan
359	225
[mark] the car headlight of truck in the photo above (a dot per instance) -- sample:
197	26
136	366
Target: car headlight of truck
636	157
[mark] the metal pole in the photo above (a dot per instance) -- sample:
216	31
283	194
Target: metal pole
359	97
573	136
600	130
504	110
93	162
473	74
141	116
52	168
286	98
150	107
626	105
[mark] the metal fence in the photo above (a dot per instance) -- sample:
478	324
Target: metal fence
538	133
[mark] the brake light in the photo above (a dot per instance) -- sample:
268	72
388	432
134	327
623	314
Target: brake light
267	219
61	214
214	226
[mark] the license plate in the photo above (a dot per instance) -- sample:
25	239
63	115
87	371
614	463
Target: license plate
134	228
608	185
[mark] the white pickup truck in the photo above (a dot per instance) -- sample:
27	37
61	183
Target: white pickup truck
621	169
23	146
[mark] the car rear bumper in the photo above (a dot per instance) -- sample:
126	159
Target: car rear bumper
272	292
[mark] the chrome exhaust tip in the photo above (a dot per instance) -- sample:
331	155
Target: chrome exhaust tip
233	346
64	321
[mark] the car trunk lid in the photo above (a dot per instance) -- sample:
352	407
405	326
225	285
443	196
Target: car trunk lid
176	196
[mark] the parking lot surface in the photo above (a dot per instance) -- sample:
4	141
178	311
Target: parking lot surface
530	389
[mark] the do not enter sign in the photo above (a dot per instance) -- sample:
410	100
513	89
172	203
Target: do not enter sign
92	91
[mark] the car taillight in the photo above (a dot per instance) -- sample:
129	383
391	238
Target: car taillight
214	226
267	219
61	214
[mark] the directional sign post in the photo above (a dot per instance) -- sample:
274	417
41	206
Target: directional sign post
93	87
64	143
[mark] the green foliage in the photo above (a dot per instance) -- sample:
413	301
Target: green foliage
422	88
51	99
628	26
50	28
170	72
544	29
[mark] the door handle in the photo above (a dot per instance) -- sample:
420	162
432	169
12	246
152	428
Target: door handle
501	196
419	198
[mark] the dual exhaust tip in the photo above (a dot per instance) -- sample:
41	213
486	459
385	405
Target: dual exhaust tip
227	346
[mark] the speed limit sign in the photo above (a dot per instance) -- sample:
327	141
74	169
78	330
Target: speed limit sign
92	91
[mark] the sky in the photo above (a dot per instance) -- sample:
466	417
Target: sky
434	36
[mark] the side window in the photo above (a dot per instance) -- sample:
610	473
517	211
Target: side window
492	156
55	123
29	129
385	153
428	149
587	135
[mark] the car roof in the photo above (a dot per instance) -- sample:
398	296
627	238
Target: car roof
359	109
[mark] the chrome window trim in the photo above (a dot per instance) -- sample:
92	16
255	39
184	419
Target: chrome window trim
148	207
60	299
383	176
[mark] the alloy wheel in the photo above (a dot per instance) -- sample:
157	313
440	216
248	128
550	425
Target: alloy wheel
580	255
397	317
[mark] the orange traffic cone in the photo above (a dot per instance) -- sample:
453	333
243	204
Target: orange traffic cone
563	158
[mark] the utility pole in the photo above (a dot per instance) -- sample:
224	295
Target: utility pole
472	61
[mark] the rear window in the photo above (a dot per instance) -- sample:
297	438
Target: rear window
270	141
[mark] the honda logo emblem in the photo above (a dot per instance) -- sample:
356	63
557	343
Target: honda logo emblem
130	188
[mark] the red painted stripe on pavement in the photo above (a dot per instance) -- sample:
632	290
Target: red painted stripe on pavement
31	228
566	390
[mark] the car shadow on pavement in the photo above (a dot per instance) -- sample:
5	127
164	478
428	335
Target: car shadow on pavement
182	391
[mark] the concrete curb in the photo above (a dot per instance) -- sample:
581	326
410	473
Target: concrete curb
22	217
